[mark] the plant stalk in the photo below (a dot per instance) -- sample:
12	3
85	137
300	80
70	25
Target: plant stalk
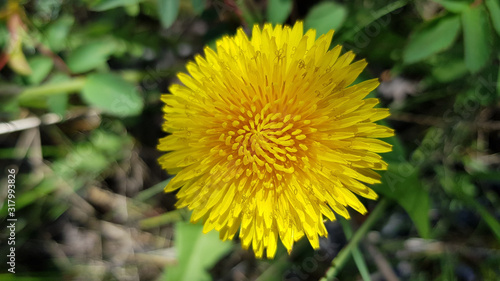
339	261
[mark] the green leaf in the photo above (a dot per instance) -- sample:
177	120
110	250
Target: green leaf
449	69
432	38
425	152
167	11
197	253
325	16
454	6
490	220
477	36
57	32
250	15
461	187
41	67
498	83
104	5
133	10
89	56
47	7
401	183
278	10
494	9
198	6
109	144
458	185
4	36
58	103
398	152
112	94
17	60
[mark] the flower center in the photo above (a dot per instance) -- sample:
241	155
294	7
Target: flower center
265	143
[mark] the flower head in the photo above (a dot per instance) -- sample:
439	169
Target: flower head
268	137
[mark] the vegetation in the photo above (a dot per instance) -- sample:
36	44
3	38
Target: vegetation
80	86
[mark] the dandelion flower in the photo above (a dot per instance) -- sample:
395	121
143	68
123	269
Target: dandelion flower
268	137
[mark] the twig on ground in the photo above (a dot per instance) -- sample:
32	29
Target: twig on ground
382	264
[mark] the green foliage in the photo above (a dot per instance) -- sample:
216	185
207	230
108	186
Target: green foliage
490	220
90	56
101	66
198	5
477	34
41	67
461	186
58	102
401	183
56	34
278	10
112	94
455	6
448	68
19	277
167	11
325	16
494	9
498	79
103	5
197	253
74	170
433	37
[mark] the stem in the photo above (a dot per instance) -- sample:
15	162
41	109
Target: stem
356	253
150	192
157	221
490	220
278	267
76	84
72	85
339	261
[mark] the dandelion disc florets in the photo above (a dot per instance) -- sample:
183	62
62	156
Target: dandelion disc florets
268	137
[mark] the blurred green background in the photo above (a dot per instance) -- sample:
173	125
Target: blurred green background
80	118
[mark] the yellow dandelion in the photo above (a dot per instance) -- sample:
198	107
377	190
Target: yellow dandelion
268	137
